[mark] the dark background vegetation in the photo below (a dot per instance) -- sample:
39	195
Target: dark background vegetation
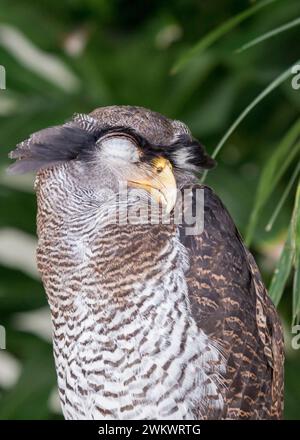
103	52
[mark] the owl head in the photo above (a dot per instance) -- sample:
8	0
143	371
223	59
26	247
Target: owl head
118	144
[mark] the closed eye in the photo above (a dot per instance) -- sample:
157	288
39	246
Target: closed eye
118	148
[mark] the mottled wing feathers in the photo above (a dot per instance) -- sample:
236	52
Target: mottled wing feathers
230	303
270	331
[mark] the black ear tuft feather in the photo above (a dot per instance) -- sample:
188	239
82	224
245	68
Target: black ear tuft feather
196	156
185	153
50	146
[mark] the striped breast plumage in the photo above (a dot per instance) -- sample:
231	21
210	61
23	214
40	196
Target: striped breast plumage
149	321
125	343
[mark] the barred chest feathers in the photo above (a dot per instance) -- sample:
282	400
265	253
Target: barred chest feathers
125	343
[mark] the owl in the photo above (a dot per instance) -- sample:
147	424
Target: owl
158	308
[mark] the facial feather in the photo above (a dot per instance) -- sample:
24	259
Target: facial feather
75	141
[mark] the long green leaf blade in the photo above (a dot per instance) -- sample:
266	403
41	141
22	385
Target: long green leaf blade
274	84
282	271
269	34
296	245
272	172
217	33
283	198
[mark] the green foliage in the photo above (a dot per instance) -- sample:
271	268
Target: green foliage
273	85
296	245
286	151
282	270
290	256
219	32
95	53
270	34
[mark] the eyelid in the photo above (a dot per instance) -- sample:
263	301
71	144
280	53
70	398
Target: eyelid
117	134
119	146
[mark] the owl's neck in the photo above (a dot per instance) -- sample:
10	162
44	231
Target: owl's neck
80	209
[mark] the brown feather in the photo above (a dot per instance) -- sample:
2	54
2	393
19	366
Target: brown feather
230	303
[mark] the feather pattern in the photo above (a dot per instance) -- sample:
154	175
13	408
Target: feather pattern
125	344
149	322
230	303
78	140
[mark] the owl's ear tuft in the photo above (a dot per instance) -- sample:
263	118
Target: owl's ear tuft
190	156
51	146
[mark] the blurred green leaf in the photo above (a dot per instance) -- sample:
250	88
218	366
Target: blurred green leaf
276	165
289	255
296	246
217	33
274	84
282	271
14	205
292	389
19	292
29	398
283	198
187	83
214	112
269	34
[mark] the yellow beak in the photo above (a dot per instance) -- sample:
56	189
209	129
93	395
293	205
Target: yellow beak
161	184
